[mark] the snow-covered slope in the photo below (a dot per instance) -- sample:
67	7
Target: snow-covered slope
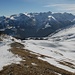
58	49
67	33
7	57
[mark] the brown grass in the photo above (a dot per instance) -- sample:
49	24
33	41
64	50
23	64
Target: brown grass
26	67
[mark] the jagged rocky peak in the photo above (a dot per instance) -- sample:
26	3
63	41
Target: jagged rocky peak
37	24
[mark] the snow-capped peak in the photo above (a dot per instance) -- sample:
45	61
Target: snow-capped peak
51	17
12	18
27	14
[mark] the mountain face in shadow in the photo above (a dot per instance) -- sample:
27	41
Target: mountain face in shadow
35	24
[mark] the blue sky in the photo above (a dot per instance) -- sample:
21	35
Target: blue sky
8	7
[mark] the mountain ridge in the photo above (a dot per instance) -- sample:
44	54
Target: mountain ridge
41	24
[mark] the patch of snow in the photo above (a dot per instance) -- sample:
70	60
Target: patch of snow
12	18
2	29
34	64
47	25
51	17
7	57
27	14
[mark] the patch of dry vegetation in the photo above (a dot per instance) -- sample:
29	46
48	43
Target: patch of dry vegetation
27	68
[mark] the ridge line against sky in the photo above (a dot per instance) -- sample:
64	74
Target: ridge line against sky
9	7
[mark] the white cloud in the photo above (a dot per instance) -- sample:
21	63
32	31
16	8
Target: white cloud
63	7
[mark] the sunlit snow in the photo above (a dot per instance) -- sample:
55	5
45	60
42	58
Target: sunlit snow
6	57
60	47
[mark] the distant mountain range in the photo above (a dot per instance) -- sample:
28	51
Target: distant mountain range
42	24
